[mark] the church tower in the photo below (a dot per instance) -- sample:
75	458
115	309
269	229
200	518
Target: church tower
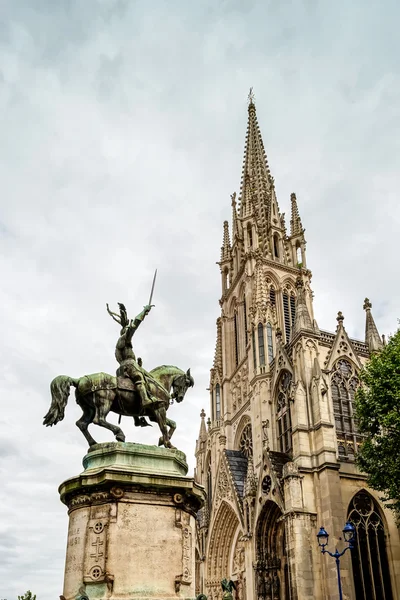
276	455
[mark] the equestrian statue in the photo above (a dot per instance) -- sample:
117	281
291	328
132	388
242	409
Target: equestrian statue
134	392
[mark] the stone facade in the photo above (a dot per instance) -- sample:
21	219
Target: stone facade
276	454
132	525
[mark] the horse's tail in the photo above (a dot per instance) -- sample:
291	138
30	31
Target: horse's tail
60	388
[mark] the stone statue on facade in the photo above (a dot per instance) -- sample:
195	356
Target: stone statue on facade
134	392
227	587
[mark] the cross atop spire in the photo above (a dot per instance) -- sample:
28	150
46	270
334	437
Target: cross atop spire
251	97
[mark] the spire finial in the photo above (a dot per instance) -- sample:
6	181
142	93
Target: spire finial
340	317
202	414
251	97
367	304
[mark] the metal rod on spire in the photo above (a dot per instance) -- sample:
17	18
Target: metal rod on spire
251	96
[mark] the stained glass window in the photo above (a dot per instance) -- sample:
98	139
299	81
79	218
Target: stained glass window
369	558
344	382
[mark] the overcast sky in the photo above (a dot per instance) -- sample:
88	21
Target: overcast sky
122	135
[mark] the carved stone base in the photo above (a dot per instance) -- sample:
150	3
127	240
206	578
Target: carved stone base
131	524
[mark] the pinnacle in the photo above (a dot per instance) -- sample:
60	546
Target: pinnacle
302	320
203	430
296	226
226	244
372	338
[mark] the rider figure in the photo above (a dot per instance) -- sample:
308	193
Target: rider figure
129	366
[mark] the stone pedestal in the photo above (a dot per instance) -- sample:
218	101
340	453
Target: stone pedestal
131	524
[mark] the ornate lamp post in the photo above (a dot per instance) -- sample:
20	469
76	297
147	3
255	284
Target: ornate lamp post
349	534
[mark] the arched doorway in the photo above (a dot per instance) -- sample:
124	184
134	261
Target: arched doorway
220	550
272	576
369	558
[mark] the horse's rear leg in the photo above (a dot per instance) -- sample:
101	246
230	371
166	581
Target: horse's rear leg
85	420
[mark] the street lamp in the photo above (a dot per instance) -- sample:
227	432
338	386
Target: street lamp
349	534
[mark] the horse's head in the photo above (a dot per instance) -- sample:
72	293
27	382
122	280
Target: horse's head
180	384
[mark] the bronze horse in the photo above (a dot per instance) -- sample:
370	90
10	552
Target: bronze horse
98	394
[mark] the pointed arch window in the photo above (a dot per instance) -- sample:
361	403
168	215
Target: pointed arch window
284	422
253	339
289	312
225	280
217	401
369	559
299	257
344	382
261	348
276	245
270	343
236	340
250	235
209	485
246	336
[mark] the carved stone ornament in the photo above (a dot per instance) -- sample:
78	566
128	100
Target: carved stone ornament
182	520
95	559
290	469
117	492
223	487
266	484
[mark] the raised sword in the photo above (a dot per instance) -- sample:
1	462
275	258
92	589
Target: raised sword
152	288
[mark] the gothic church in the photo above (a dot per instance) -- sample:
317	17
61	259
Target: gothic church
276	454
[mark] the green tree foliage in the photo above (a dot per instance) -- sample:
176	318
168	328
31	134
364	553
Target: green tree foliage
27	596
377	404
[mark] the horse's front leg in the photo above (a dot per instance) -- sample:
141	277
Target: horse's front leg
172	426
161	418
102	409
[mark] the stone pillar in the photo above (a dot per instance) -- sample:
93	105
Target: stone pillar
131	524
300	536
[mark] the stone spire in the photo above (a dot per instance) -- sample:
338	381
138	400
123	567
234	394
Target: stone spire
203	430
235	223
257	194
302	320
226	244
218	348
296	227
372	338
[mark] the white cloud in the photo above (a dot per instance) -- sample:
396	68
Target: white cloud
122	138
